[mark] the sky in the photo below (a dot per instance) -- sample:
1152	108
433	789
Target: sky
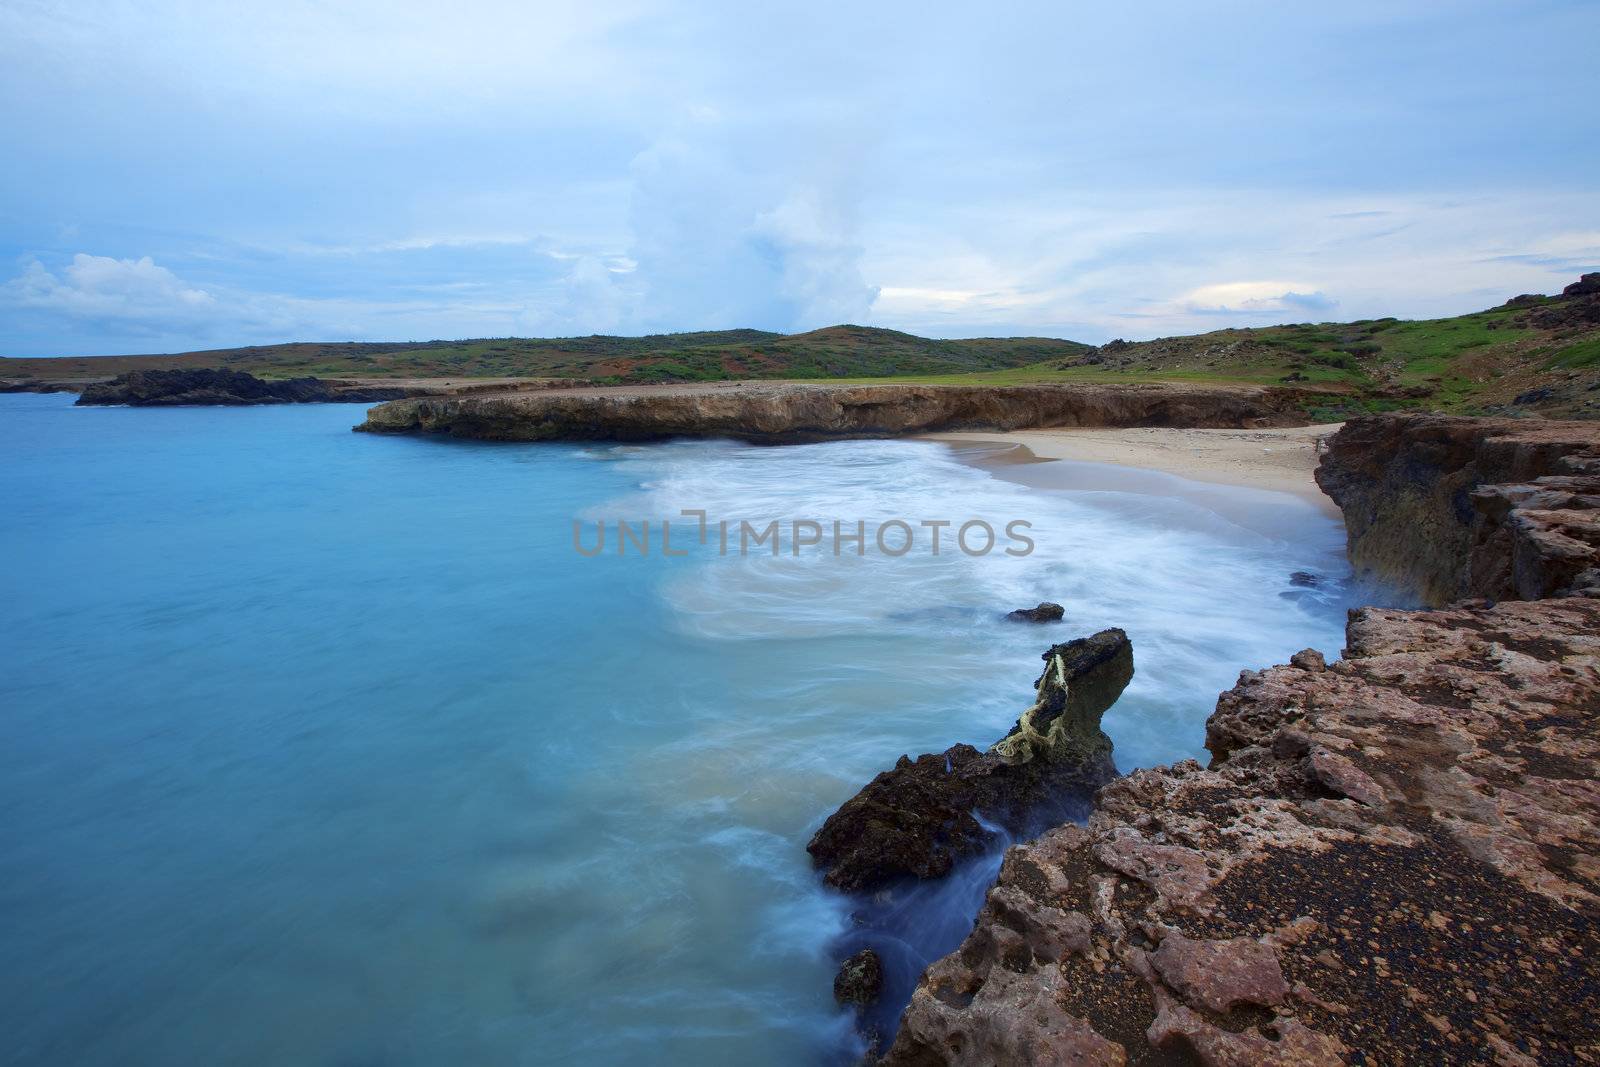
180	175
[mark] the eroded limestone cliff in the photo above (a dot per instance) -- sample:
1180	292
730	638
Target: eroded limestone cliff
1453	507
791	412
1394	858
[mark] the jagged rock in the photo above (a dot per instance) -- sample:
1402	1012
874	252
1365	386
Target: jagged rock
232	388
1451	507
1308	659
794	412
1586	284
1573	311
1045	612
1525	300
1305	579
917	820
860	979
1390	860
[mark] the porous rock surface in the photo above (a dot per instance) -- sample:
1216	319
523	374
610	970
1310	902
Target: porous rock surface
794	412
918	819
1390	859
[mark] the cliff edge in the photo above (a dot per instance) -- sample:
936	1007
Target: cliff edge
1392	858
801	412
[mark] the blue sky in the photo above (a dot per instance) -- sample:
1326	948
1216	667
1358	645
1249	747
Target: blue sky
184	175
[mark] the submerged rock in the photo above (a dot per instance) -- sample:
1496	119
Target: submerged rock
918	819
1045	612
230	388
860	979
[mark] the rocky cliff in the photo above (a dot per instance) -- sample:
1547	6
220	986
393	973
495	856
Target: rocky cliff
922	816
809	412
226	388
1455	507
1394	858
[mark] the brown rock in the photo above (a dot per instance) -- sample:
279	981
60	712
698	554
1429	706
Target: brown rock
1308	659
1045	612
1220	975
1410	839
1451	507
917	820
794	412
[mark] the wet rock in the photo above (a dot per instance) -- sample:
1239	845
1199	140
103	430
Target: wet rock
918	819
860	979
1395	859
1045	612
1305	579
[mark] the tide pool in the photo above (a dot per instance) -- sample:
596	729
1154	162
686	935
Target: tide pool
326	748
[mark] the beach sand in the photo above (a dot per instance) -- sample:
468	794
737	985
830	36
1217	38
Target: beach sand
1279	460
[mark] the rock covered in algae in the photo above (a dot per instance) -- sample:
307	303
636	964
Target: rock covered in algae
1045	612
918	819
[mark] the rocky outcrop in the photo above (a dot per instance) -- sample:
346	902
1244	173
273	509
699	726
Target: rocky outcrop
860	979
230	388
791	412
1044	612
918	819
1390	859
1452	507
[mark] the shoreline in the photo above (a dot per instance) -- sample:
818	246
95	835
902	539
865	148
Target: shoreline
1280	460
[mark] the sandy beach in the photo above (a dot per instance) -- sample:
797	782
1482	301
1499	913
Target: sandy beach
1278	459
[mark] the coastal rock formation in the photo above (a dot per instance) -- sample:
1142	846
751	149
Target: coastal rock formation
1045	612
1391	859
231	388
1454	507
917	820
791	412
860	979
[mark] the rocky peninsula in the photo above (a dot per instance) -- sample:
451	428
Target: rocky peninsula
1390	858
777	413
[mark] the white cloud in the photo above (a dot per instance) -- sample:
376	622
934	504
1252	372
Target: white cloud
111	290
729	230
1246	298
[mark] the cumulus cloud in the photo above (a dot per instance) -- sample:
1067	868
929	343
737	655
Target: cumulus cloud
133	292
729	230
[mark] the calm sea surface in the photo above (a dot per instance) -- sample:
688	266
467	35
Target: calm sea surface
323	748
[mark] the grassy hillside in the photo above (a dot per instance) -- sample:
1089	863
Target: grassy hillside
1533	355
1539	355
838	351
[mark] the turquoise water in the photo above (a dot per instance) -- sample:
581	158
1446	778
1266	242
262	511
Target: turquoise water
322	748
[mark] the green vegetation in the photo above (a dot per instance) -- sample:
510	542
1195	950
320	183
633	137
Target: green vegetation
835	352
1539	356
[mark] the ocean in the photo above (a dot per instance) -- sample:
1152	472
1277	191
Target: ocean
327	748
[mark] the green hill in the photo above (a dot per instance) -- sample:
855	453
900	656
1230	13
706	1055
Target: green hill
1531	355
837	351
